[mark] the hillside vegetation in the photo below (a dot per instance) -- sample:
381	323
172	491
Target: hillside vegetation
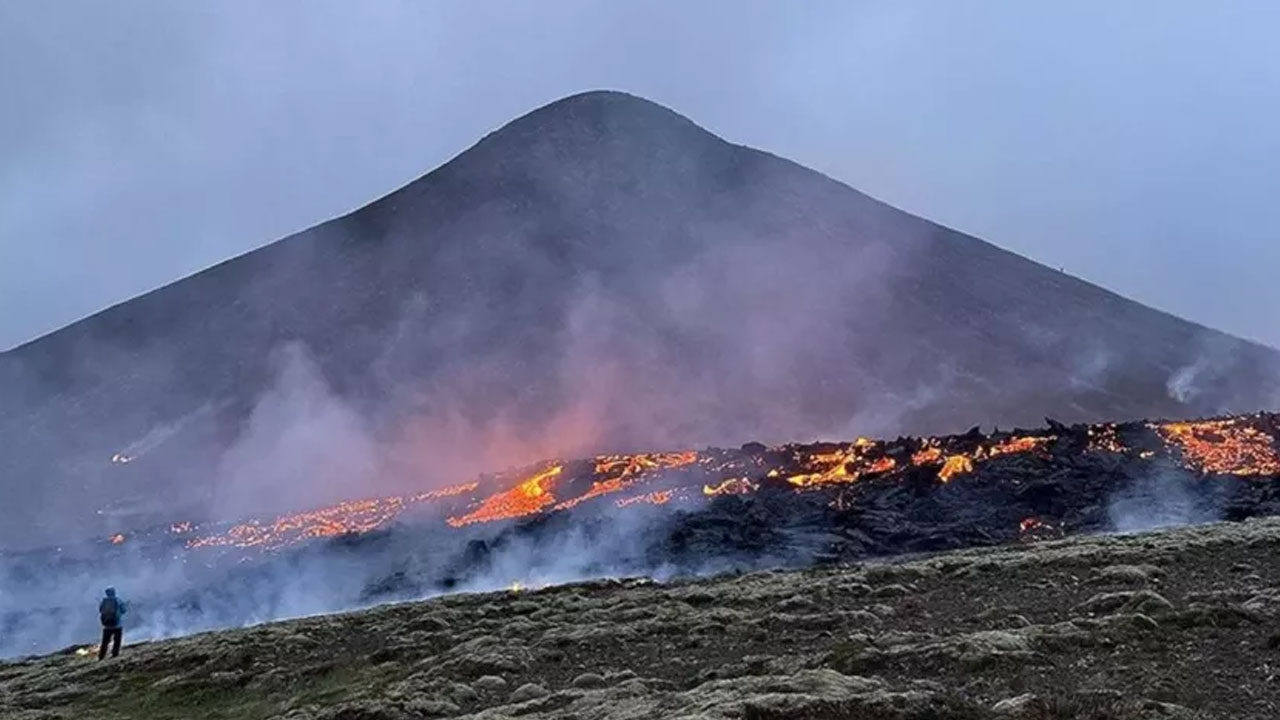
1174	624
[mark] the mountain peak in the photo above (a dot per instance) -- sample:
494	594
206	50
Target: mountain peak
587	120
596	275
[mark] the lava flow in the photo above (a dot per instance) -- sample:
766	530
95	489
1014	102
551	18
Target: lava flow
1224	446
1240	446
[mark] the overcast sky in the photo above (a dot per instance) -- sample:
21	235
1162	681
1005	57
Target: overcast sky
1136	144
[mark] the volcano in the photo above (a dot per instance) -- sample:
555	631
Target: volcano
598	275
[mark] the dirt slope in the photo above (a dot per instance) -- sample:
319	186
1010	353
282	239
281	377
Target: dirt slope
1174	624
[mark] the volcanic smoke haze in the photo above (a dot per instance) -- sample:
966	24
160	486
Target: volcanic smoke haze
636	369
599	275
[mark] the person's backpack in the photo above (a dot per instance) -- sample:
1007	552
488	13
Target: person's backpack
109	610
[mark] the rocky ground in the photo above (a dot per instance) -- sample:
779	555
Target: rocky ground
1173	624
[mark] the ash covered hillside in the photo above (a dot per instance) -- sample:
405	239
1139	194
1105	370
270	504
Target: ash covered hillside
598	274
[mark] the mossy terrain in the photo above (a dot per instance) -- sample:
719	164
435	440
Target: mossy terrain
1172	624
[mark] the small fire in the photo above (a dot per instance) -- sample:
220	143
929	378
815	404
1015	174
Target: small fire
882	465
1018	445
927	456
955	465
117	539
121	459
828	468
180	528
515	587
1030	523
86	651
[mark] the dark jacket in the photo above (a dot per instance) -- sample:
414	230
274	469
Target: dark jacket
111	611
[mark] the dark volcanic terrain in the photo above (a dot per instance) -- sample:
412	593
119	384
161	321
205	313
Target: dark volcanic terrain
598	275
664	515
1170	625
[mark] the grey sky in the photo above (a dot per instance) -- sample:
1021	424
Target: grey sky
1136	144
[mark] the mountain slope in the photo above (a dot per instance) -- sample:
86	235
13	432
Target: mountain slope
600	273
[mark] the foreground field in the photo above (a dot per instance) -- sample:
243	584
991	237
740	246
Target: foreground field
1174	624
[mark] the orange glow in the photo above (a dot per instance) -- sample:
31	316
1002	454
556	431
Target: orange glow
623	471
355	516
732	486
1224	446
117	539
955	465
1019	445
1234	446
659	497
883	465
1105	439
927	456
527	498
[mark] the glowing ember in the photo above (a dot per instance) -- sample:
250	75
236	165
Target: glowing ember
732	486
883	465
623	471
1030	523
827	468
955	465
117	539
356	516
1019	445
927	456
1224	447
181	528
660	497
1105	439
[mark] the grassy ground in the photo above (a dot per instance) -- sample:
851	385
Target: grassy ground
1177	624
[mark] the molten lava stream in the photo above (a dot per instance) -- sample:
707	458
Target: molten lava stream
527	498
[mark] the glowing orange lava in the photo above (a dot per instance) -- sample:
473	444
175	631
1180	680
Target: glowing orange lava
659	497
355	516
1224	447
527	498
955	465
732	486
1233	446
622	471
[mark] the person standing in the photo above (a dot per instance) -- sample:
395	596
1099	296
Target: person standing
111	611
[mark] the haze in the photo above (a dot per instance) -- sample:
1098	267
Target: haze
1133	144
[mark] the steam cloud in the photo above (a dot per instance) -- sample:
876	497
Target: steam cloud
1165	499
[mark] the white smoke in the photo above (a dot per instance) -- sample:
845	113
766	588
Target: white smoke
300	442
1167	498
